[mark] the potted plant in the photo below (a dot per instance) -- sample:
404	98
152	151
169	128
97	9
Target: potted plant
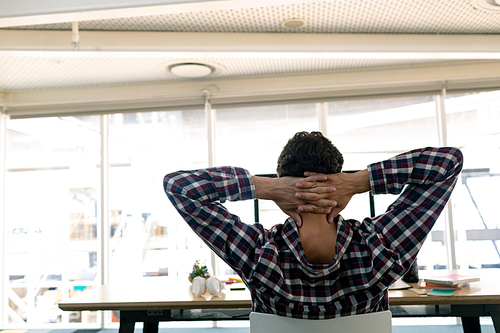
198	271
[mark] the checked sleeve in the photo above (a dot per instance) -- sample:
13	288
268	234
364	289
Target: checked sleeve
425	179
198	196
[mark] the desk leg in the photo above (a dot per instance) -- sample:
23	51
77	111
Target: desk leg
150	327
126	326
496	323
471	325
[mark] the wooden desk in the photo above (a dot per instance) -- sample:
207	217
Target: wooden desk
155	299
486	291
154	293
479	299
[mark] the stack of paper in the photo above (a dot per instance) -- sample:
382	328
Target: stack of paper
445	285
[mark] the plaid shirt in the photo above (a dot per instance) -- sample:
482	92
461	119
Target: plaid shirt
370	255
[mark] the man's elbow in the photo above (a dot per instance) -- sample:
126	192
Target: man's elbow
457	159
169	182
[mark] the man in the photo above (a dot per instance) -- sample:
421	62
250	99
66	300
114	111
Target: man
329	266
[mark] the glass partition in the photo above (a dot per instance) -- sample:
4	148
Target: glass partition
371	130
473	122
253	137
147	236
52	184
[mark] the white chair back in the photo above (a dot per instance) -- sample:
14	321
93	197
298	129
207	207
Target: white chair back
377	322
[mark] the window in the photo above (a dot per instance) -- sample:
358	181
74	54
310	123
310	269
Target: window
147	235
52	184
473	122
374	129
253	137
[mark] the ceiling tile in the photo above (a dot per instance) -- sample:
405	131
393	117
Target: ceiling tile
19	73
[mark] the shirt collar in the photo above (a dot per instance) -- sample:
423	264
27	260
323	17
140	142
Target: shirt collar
291	237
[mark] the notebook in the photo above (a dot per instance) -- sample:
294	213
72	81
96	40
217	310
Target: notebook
451	280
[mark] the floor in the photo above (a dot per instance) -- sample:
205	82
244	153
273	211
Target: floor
395	329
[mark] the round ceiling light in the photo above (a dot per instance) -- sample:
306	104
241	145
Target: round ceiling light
191	70
487	5
294	23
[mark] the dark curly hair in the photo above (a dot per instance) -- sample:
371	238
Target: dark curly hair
309	152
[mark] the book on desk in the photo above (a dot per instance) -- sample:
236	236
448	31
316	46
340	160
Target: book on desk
447	282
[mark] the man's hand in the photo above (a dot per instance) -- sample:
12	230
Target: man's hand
346	186
289	202
283	192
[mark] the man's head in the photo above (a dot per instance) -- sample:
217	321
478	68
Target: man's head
309	152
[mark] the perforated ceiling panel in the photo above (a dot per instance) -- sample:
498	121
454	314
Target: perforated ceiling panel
33	72
340	16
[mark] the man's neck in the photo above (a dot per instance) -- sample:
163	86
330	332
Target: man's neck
318	238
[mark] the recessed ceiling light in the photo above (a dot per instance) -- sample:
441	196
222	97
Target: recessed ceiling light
487	5
294	23
191	70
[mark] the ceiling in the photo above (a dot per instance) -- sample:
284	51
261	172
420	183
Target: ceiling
336	16
132	47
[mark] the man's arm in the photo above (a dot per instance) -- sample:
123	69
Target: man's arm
424	180
198	196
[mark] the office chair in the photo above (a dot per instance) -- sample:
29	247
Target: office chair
377	322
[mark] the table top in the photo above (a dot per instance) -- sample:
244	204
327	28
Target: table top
154	293
162	293
485	291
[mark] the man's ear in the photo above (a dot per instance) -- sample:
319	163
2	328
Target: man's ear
299	222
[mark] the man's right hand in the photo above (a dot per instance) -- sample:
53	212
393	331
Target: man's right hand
346	186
